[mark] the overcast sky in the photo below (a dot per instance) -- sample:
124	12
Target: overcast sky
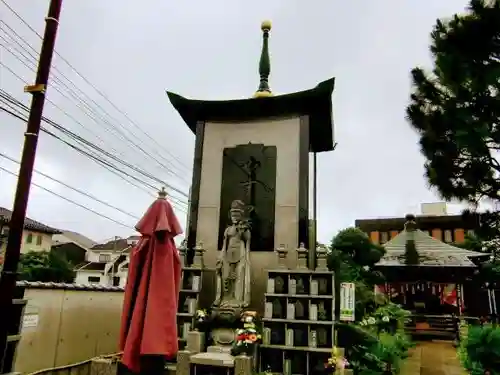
133	51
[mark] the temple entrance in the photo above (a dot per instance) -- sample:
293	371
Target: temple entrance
424	297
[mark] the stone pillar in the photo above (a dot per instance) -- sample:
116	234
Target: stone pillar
321	255
242	365
198	261
183	362
182	252
196	342
302	255
282	253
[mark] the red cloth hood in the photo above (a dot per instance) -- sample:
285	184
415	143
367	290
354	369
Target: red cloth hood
149	318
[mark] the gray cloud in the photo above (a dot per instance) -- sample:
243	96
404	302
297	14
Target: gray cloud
209	50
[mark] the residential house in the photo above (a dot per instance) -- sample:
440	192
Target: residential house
107	263
36	236
433	220
72	246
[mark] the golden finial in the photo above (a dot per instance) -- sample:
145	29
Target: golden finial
265	25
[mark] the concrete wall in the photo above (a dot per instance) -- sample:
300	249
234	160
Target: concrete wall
282	133
71	326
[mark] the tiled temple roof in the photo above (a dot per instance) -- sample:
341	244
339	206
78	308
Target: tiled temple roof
432	252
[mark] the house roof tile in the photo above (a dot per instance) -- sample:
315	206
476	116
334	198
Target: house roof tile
35	226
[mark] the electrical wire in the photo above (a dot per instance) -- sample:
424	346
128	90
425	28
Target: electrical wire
70	201
108	126
17	113
100	161
8	98
73	188
19	17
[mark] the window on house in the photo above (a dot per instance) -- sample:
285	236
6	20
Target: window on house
116	281
104	258
39	240
29	238
448	236
94	279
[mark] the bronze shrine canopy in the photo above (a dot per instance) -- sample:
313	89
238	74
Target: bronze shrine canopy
315	103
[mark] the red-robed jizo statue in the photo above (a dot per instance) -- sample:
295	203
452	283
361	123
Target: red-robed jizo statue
149	322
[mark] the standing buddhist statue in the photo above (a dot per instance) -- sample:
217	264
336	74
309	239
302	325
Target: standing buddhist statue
233	264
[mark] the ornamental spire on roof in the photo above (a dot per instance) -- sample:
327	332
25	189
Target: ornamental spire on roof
265	63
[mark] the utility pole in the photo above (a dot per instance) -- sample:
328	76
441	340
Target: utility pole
8	274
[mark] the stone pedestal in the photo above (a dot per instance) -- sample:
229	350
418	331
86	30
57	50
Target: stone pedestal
182	252
198	261
183	362
243	365
281	253
321	261
302	255
196	342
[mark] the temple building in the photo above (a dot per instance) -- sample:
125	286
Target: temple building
431	278
433	220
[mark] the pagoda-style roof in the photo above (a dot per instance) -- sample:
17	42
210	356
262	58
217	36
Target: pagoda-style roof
432	252
315	103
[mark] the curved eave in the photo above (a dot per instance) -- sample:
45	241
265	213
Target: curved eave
315	103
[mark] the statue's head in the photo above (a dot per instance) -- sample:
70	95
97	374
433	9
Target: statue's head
237	211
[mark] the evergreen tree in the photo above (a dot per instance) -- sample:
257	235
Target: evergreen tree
455	108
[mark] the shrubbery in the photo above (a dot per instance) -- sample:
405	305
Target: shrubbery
479	352
376	343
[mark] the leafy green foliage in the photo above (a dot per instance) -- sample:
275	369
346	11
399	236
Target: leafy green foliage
456	112
480	351
378	343
357	246
45	267
352	256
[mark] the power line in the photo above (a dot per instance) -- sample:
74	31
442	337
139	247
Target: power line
100	161
18	16
7	97
70	201
110	127
73	188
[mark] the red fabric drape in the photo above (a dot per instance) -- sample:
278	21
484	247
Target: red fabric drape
149	321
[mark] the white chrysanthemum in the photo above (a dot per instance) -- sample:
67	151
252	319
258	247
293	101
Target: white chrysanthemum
371	320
